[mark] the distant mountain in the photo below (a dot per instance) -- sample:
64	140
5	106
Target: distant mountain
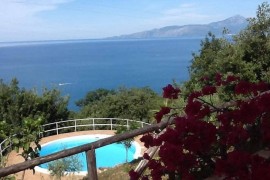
234	24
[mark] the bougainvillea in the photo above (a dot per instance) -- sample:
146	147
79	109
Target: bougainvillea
229	146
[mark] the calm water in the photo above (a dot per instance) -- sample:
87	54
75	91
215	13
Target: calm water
76	67
107	156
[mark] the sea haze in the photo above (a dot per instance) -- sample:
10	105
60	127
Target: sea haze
76	67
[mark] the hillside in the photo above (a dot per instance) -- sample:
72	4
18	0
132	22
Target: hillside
233	24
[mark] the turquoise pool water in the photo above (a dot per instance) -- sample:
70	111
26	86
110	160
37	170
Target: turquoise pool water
107	156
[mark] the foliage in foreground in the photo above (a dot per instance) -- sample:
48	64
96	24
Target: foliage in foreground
225	140
230	146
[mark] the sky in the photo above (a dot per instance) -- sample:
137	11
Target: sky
33	20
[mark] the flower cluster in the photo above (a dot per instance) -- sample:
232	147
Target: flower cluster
170	92
228	146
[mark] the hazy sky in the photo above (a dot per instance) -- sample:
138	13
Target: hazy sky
22	20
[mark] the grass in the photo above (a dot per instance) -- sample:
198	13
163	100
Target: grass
119	172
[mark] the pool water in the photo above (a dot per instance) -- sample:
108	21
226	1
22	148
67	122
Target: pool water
107	156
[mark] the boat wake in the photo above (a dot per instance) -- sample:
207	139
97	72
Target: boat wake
64	84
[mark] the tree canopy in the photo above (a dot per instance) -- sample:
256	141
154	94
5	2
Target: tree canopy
245	54
18	104
134	103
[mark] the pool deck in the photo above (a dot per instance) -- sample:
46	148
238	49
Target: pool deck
14	158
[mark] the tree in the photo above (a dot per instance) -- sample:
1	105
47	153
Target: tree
127	142
27	136
255	42
246	56
134	103
22	113
62	167
18	103
94	96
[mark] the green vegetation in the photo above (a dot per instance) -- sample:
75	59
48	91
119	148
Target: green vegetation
235	70
22	112
17	103
119	172
127	142
135	103
61	167
245	55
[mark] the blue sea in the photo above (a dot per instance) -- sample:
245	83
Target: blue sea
76	67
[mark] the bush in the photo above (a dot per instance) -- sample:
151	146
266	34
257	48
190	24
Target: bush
62	167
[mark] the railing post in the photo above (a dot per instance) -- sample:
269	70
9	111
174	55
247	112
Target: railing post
57	128
93	124
75	124
1	150
91	164
111	123
127	125
10	142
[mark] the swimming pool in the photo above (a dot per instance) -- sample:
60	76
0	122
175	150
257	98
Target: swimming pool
107	156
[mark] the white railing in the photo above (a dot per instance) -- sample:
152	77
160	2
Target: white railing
4	145
74	125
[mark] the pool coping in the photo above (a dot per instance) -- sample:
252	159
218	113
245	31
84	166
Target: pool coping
136	155
14	158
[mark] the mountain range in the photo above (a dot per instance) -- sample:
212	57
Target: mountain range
234	24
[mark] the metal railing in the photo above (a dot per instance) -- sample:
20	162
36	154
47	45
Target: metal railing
89	149
75	125
4	145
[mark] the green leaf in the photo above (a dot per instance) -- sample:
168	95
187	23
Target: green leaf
16	149
15	141
26	146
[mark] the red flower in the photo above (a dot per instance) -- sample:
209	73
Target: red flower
260	168
247	113
236	166
170	92
146	156
193	108
204	79
207	90
194	147
205	111
218	79
171	155
148	140
194	95
170	135
163	111
231	78
262	86
265	129
157	169
133	175
243	87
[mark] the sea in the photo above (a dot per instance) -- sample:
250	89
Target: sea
76	67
